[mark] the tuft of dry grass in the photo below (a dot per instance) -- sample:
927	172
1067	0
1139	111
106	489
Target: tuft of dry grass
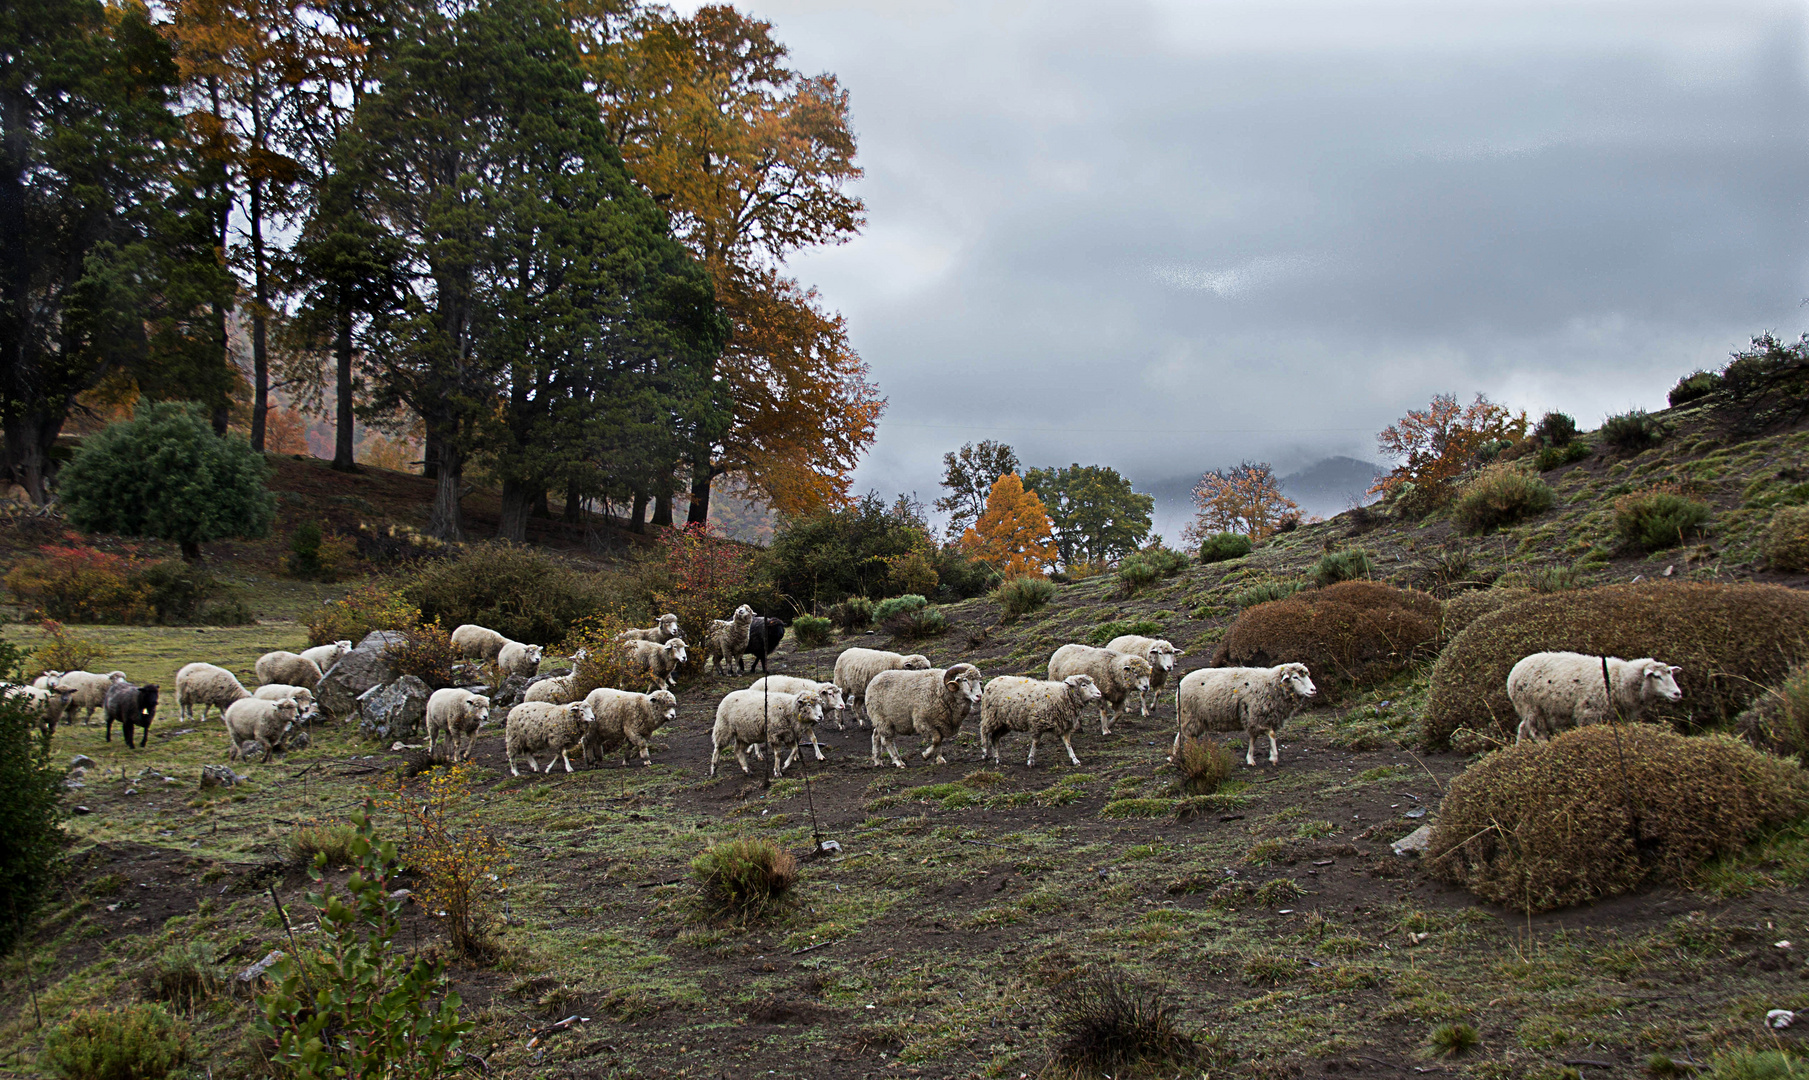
1107	1024
743	879
1203	766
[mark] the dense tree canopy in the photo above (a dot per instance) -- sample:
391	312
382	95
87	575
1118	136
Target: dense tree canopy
969	474
1013	535
1093	513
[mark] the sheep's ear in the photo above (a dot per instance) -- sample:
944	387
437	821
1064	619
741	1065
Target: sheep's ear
1675	670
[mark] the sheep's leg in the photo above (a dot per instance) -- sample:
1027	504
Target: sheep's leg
1274	751
1250	748
714	752
1106	715
815	745
741	756
876	749
1030	762
646	755
1143	703
892	749
759	750
565	755
1068	741
1175	750
110	732
935	747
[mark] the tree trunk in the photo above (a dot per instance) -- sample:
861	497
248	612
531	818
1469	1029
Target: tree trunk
29	436
342	405
662	508
191	551
517	505
447	522
700	495
637	521
574	503
260	357
430	453
541	508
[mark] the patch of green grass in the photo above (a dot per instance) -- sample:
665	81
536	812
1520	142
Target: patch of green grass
1137	808
1269	968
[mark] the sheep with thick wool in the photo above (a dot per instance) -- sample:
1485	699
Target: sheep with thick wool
622	718
1117	674
747	717
88	691
49	704
660	633
476	642
855	668
830	693
309	709
561	689
1255	701
519	658
931	704
1552	691
452	713
656	662
1034	707
1161	656
204	685
325	656
727	638
540	727
292	669
266	723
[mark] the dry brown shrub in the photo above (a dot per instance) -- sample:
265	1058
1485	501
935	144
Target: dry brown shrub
1370	595
1351	634
1603	810
1472	604
1730	640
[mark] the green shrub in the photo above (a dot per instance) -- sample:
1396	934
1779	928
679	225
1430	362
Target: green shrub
1550	457
135	1042
1203	766
1453	1039
1350	634
1605	810
1023	595
78	584
164	473
744	879
1730	640
181	593
853	614
1778	719
366	608
30	797
1655	520
64	650
1346	565
185	974
1555	429
1137	572
1699	384
915	622
1107	1025
891	607
1758	1065
811	631
317	556
1118	628
1167	561
428	654
512	589
1497	496
960	577
1472	604
1787	539
1264	591
1224	546
1631	432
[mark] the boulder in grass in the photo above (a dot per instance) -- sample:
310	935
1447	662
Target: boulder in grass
356	672
396	711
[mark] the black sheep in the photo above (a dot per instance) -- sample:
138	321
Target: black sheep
763	636
131	706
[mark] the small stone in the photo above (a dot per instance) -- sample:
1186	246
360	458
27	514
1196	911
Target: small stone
131	791
1417	812
80	810
401	894
1415	842
217	776
1669	570
74	785
114	906
1778	1019
256	971
81	761
77	774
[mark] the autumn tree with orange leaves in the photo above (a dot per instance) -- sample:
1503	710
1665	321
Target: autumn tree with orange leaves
1013	535
750	159
1436	444
1244	499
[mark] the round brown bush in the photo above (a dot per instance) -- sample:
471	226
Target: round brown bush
1370	595
1603	810
1345	640
1730	640
1472	604
1787	538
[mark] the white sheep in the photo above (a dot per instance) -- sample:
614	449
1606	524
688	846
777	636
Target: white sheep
562	689
304	698
1035	707
659	634
264	723
325	656
287	667
453	712
1252	700
476	642
657	662
1161	656
516	658
1117	675
828	692
536	727
47	680
855	668
1552	691
727	638
931	703
88	691
747	717
204	685
626	719
49	704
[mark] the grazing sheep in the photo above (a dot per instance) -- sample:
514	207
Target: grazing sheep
763	638
454	712
90	690
132	706
476	642
304	699
747	717
626	719
47	680
1159	653
830	693
665	631
289	668
657	662
325	656
536	727
1116	674
1552	691
931	703
1252	700
204	685
1035	707
727	638
516	658
49	704
855	668
265	724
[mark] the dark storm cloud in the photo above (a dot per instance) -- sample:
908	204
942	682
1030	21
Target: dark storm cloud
1169	237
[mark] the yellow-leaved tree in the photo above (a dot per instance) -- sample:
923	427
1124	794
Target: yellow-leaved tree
1013	534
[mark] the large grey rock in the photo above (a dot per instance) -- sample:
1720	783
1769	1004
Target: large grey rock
508	695
379	640
395	711
1414	843
356	672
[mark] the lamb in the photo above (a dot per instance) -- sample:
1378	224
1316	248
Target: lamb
931	703
516	658
1252	700
1115	673
727	638
855	668
659	634
746	717
625	719
1159	654
49	704
204	685
657	662
292	669
89	690
830	693
132	706
563	689
304	699
325	656
1035	707
1552	691
763	638
476	642
254	721
455	712
534	727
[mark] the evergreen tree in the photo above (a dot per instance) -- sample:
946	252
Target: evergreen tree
1094	514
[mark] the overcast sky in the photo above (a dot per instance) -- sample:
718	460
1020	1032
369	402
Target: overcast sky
1167	236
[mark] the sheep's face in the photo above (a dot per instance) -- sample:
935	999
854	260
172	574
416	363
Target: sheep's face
810	709
832	697
744	615
916	662
676	649
580	656
1135	671
1083	687
1298	679
116	677
1162	656
964	679
1660	682
286	710
665	704
532	652
669	625
477	709
581	712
